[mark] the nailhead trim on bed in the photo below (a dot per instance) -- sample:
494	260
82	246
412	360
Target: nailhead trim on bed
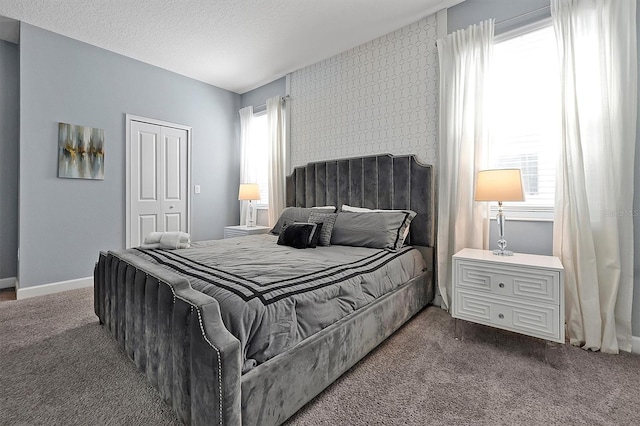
219	361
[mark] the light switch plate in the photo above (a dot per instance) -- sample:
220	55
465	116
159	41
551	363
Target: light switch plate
196	189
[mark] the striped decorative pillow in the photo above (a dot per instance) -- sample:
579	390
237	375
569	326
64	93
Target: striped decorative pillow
327	220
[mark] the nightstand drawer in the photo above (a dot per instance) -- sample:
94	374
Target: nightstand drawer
241	231
537	320
232	233
526	283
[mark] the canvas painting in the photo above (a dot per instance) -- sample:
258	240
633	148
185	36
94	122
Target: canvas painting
80	152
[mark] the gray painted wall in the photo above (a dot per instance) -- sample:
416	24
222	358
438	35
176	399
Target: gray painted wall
524	236
473	11
9	140
64	223
258	97
508	14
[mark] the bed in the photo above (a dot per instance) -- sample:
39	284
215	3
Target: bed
174	323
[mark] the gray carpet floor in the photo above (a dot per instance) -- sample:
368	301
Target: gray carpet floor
59	367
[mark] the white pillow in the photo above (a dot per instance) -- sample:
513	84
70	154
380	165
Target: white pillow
346	208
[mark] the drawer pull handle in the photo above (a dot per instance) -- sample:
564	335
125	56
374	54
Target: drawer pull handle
501	285
501	316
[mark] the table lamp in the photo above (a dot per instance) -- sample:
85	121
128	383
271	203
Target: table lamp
249	192
500	185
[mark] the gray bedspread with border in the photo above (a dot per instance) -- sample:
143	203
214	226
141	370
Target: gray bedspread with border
273	296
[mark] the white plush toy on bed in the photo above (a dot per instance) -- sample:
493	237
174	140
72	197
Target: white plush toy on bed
167	240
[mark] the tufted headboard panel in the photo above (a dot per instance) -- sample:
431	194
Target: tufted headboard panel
376	182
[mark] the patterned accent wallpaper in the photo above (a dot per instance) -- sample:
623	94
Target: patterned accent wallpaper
379	97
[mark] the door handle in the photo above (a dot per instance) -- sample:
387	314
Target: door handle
171	206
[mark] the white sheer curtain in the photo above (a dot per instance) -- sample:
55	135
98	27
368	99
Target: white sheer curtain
276	117
593	227
465	60
247	170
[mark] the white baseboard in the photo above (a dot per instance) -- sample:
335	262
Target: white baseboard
41	290
635	344
7	282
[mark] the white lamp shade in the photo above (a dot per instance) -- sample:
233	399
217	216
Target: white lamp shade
499	185
249	191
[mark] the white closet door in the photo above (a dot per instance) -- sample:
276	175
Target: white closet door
159	184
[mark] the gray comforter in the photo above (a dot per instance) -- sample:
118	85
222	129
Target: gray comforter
273	296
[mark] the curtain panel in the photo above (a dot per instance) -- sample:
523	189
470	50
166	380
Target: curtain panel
593	224
248	172
465	61
276	139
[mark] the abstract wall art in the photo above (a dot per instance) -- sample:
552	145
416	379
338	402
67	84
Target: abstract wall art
80	152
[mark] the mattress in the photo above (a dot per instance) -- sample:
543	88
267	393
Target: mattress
272	297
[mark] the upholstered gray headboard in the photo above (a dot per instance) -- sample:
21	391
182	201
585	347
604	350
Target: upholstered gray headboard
375	182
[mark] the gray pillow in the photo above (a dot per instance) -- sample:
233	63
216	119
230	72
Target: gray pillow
372	229
298	214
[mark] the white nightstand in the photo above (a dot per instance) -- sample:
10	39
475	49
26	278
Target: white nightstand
242	230
523	293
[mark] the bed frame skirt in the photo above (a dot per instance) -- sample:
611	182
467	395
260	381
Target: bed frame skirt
176	337
275	390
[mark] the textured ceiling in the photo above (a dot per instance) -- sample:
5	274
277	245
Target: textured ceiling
234	44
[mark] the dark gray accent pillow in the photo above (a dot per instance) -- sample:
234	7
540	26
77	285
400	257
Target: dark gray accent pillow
372	229
296	235
297	214
327	220
315	235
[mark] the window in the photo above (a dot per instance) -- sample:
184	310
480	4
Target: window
259	153
526	115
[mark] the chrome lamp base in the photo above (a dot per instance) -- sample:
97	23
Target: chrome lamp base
499	252
502	243
251	221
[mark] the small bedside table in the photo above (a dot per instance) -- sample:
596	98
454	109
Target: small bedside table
523	293
242	230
